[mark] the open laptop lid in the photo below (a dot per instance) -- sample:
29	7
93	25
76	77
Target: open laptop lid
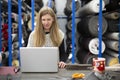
39	59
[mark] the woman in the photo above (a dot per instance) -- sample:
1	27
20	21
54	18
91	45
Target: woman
48	34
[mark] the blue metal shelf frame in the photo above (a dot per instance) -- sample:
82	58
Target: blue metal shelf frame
9	33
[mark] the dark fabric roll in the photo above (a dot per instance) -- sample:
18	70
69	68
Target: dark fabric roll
68	8
113	25
69	25
111	52
84	57
88	26
113	5
15	54
69	35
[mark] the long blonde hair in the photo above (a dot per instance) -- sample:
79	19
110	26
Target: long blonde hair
39	35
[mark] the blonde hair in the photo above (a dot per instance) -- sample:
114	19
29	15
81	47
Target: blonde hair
39	35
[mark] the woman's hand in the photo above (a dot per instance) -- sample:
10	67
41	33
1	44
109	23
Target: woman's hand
61	64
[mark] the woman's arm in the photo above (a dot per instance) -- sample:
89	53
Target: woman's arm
63	55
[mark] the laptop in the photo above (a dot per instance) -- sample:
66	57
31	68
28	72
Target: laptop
39	59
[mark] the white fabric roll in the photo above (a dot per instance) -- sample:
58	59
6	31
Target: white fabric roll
92	7
94	46
112	35
114	45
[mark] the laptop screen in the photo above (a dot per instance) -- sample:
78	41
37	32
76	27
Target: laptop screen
39	59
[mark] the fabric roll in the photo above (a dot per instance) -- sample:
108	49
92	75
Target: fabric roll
114	45
112	35
113	25
15	45
94	45
113	5
107	2
84	56
110	60
112	15
69	25
13	36
69	35
111	53
88	26
15	54
91	7
5	55
68	8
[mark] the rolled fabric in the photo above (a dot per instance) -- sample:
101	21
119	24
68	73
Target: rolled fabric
113	25
112	15
84	56
112	35
69	35
93	46
15	54
113	5
91	7
15	63
15	45
111	53
88	26
69	25
107	2
13	36
5	55
110	60
114	45
68	8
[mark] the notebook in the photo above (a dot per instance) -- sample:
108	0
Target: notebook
39	59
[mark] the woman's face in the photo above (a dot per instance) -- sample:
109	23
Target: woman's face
47	21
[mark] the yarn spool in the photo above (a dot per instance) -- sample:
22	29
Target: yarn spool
88	26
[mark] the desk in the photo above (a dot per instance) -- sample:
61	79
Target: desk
63	74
